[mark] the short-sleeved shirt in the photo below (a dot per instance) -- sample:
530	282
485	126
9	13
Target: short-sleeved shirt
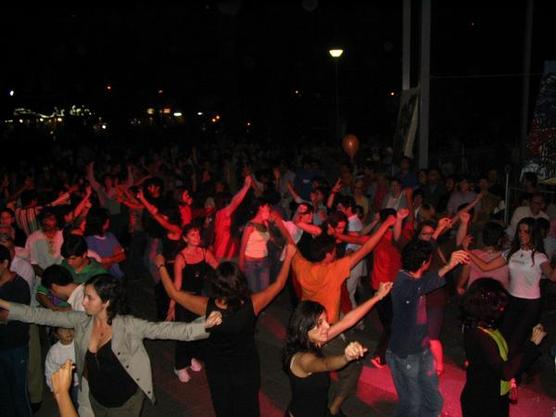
525	273
322	282
409	321
90	270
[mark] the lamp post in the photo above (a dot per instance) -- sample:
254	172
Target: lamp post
336	53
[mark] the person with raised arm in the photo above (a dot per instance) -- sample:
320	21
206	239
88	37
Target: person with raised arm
232	362
306	365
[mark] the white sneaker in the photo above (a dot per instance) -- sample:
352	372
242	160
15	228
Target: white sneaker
196	365
182	375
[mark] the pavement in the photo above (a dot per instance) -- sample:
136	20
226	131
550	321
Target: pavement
376	395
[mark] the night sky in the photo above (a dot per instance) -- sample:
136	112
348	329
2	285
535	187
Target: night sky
267	62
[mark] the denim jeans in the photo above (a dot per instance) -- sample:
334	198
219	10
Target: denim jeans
257	273
416	384
14	400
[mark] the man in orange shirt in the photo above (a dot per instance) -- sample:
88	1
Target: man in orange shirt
321	282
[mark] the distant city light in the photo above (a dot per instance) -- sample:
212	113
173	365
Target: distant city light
177	114
199	113
109	87
217	117
20	120
150	110
41	119
12	92
166	110
103	126
160	91
59	119
213	120
336	53
392	93
248	124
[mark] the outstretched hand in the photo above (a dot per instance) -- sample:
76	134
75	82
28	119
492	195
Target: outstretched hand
459	257
383	289
538	334
214	319
354	350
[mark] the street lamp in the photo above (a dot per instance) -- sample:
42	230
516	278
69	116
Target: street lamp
336	53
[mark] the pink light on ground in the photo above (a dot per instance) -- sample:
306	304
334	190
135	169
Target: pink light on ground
274	327
268	408
376	389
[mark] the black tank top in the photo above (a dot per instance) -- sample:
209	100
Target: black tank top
104	372
309	395
193	280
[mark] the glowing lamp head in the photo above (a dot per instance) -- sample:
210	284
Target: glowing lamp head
336	53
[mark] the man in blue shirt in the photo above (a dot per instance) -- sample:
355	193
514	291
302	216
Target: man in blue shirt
408	355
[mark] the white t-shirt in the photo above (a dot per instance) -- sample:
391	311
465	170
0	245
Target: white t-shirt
57	355
43	251
75	300
525	274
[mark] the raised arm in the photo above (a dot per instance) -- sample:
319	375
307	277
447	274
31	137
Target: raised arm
355	315
153	211
400	216
464	218
276	219
91	176
312	229
296	197
263	298
458	257
332	196
369	228
239	196
444	224
194	303
370	244
83	205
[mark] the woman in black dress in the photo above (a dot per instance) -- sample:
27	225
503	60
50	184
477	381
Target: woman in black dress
231	360
491	367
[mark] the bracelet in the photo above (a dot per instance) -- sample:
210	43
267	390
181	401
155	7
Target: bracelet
160	266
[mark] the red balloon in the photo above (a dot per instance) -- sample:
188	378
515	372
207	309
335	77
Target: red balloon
350	143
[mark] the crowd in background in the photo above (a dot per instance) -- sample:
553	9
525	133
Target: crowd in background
183	214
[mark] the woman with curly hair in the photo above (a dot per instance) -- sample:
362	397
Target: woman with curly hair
109	344
491	365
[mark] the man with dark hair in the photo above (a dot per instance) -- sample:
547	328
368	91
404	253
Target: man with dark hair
43	246
321	281
59	281
14	341
409	355
78	265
